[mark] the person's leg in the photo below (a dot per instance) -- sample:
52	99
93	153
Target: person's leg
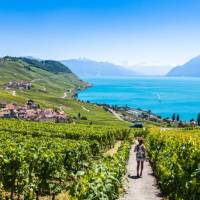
142	166
138	167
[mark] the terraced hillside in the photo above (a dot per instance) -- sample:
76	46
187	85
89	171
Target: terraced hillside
49	78
53	85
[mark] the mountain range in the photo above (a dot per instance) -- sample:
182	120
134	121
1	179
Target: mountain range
190	69
90	68
85	67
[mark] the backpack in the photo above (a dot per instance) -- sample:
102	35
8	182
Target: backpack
140	152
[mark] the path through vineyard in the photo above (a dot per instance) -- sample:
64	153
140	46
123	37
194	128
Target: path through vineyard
144	188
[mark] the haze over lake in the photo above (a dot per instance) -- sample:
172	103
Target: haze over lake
162	95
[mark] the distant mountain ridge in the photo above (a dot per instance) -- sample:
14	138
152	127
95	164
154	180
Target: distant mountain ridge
85	67
190	69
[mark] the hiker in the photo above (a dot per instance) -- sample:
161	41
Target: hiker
140	155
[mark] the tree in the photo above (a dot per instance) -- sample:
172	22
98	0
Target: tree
173	117
79	115
178	118
198	119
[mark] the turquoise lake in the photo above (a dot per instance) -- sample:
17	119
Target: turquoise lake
162	95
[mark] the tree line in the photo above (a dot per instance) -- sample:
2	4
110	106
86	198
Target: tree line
176	117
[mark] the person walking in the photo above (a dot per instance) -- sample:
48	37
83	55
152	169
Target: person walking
140	156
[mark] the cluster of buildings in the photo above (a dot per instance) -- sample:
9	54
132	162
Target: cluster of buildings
22	85
132	115
33	112
137	114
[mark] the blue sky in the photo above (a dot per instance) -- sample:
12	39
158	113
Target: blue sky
132	32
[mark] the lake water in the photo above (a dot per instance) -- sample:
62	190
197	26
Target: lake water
162	95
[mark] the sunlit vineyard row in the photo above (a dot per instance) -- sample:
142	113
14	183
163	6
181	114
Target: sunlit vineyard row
175	157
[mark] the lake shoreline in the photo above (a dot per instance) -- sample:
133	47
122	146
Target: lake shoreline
173	95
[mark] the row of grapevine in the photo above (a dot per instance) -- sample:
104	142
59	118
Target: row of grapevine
105	135
103	179
175	157
31	167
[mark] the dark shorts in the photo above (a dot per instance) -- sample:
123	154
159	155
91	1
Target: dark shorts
140	159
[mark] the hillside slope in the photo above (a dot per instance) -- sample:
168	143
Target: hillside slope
84	67
46	77
52	86
191	68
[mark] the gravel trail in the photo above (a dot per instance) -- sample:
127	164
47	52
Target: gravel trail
143	188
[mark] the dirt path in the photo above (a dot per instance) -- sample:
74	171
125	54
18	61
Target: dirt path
115	114
84	108
143	188
113	150
64	95
14	93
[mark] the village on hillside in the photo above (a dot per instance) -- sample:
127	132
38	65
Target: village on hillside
21	85
32	111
